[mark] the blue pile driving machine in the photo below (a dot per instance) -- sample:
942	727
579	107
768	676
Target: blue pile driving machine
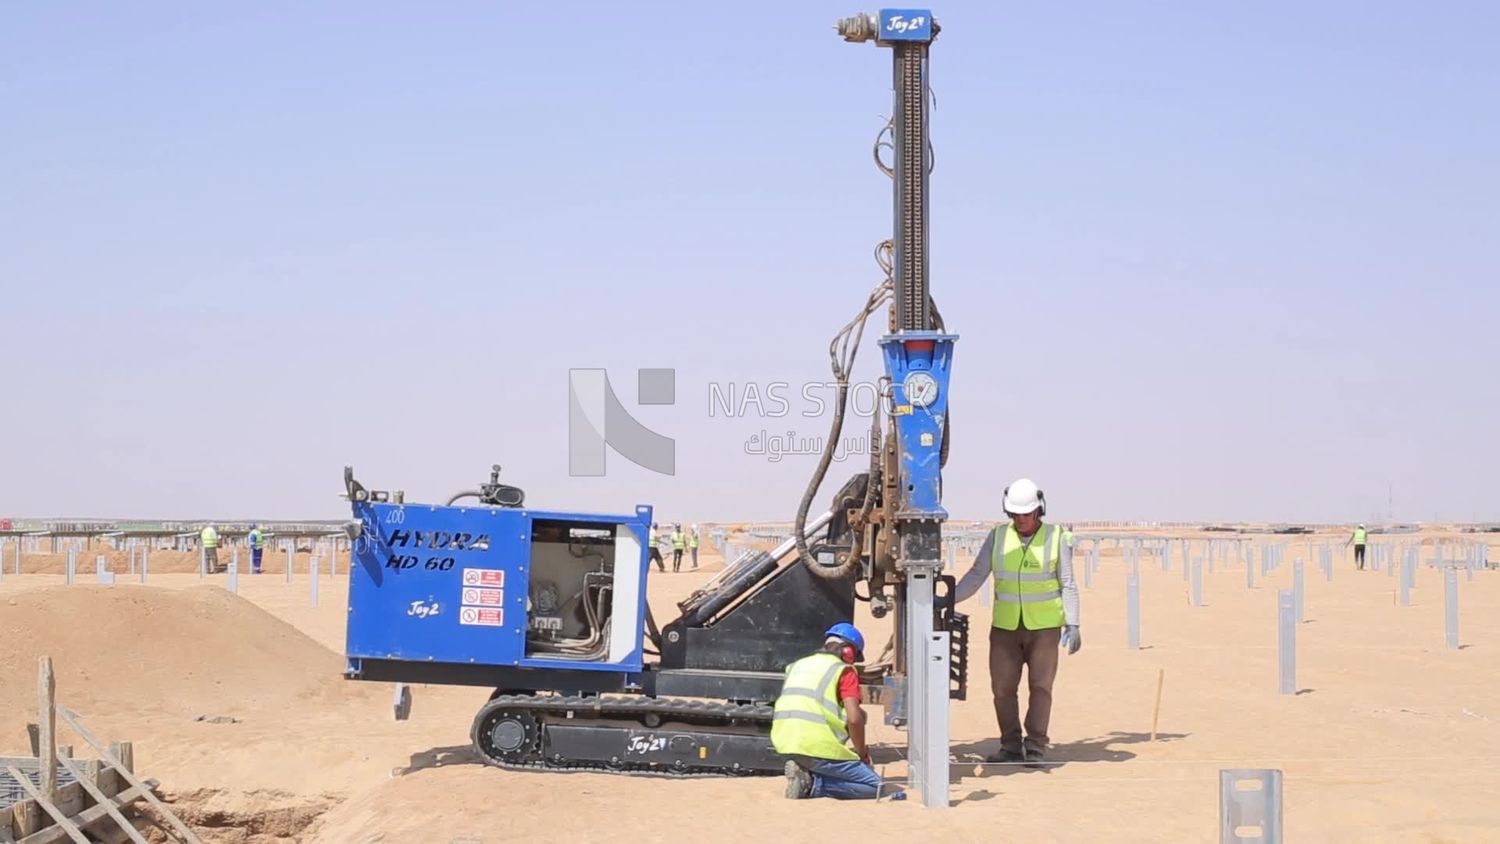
548	609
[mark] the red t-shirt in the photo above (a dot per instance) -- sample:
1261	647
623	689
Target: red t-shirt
848	684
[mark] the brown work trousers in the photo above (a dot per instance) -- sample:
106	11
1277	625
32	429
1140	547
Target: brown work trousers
1037	650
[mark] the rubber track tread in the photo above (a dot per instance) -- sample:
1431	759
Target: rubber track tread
705	713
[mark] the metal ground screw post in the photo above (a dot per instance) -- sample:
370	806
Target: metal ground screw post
1450	606
1286	620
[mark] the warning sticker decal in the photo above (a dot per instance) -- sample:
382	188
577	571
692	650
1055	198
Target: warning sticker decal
483	597
484	577
482	617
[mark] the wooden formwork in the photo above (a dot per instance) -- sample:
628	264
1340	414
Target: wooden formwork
51	797
91	796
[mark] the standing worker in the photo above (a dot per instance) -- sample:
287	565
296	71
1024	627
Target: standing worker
208	540
257	547
656	547
693	545
1036	611
817	711
678	543
1358	538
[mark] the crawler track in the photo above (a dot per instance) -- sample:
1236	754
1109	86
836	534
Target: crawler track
509	731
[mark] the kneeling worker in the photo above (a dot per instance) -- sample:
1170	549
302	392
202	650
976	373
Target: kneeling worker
817	711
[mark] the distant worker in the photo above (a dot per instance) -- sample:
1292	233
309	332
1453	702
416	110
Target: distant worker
208	540
1036	611
817	711
678	543
1358	538
693	544
257	547
656	547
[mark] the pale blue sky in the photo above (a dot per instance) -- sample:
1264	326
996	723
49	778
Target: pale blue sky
1208	261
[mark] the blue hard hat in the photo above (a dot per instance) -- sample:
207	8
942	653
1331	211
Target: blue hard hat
849	633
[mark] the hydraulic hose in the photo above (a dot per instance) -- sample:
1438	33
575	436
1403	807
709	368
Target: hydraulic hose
842	352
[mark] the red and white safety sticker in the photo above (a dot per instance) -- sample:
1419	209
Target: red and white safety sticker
484	577
484	597
481	616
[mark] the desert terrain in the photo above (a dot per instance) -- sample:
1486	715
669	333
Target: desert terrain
235	702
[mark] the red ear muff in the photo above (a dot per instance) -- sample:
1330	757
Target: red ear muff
848	654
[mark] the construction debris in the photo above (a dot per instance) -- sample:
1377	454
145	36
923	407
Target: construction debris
50	797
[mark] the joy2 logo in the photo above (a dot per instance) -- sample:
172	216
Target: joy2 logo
423	609
897	23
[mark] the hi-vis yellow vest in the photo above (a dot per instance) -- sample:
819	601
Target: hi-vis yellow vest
209	538
1026	584
677	540
809	719
257	539
1359	536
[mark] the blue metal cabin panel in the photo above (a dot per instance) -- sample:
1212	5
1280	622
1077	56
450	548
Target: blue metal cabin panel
406	586
450	584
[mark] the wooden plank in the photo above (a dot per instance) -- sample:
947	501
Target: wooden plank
103	799
70	799
88	817
19	818
125	752
28	817
46	693
22	762
109	781
71	718
90	768
34	739
36	794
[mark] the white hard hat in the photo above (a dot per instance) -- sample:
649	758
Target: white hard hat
1024	496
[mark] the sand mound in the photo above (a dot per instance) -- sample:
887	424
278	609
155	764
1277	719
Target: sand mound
191	652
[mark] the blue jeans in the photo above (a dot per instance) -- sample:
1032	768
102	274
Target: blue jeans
255	558
852	780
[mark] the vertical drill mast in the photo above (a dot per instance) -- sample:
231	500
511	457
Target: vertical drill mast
918	361
908	32
909	136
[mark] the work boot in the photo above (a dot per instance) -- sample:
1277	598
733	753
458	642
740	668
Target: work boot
1005	757
1036	758
798	781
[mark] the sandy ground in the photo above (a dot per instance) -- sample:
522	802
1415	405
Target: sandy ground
1393	737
